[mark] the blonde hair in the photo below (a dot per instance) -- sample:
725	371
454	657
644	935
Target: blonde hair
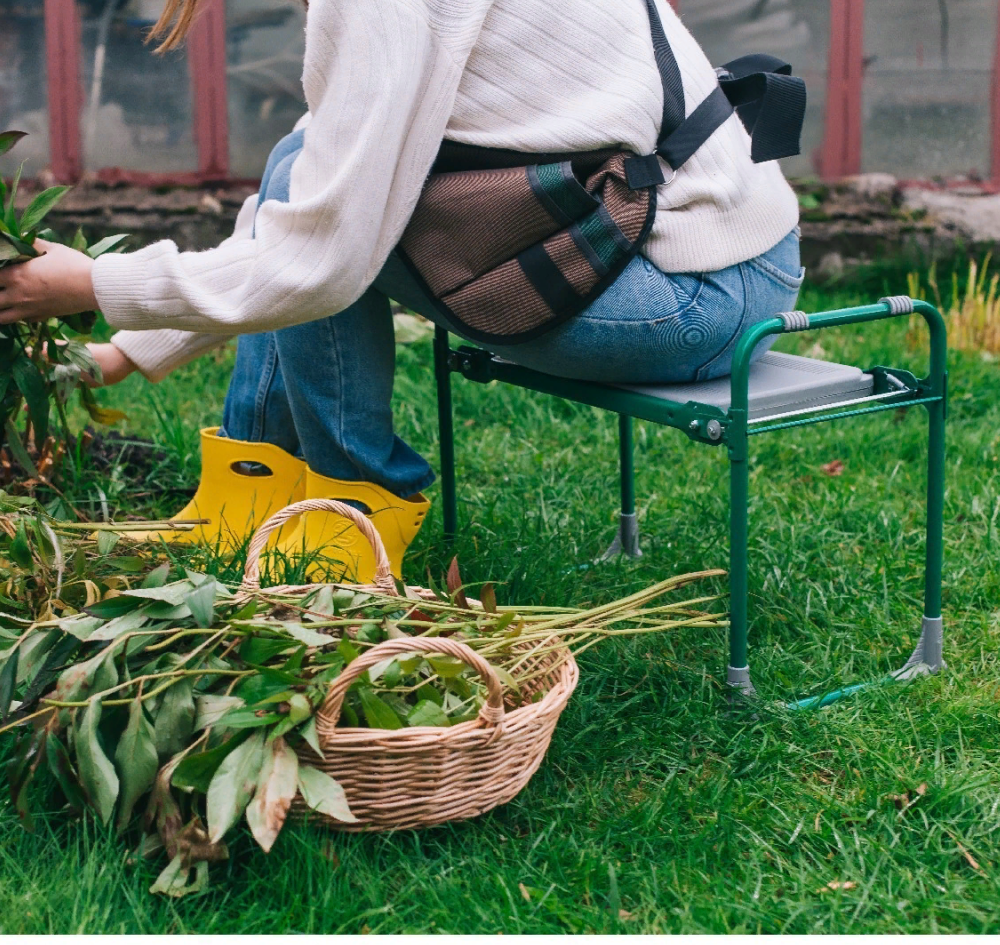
174	24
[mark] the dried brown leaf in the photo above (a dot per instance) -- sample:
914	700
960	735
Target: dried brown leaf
276	786
455	584
195	846
839	884
833	468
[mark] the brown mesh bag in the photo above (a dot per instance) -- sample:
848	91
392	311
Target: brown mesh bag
508	253
510	245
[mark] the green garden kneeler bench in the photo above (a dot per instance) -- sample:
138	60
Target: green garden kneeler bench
776	392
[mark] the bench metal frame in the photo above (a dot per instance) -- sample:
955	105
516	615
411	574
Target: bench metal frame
893	389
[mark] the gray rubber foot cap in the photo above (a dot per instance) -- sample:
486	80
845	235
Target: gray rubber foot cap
626	541
738	678
927	657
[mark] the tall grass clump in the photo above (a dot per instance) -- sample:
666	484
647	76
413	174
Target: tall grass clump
973	308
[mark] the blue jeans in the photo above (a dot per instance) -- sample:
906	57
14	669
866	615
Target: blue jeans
322	390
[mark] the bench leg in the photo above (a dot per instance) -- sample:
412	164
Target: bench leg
446	433
627	540
928	656
738	673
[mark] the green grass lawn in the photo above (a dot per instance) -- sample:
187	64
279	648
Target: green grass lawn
657	809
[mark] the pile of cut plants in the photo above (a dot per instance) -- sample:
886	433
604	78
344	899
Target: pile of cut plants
42	364
173	707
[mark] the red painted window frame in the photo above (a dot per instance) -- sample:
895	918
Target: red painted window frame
207	61
840	155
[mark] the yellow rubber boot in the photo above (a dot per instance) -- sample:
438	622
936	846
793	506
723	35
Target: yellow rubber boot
241	485
338	551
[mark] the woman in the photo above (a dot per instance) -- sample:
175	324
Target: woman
306	278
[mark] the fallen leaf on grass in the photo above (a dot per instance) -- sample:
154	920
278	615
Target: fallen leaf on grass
969	858
625	915
524	892
833	468
838	884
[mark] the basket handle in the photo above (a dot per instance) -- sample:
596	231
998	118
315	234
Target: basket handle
383	575
491	714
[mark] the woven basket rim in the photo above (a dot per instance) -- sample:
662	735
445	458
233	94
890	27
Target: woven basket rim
564	673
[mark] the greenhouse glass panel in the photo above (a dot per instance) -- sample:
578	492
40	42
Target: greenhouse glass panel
137	107
23	84
265	41
928	77
797	31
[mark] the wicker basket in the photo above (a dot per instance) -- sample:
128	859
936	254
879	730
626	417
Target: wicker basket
422	776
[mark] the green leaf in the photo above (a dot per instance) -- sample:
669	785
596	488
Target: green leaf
232	786
40	206
8	675
9	217
254	689
306	636
157	577
202	603
79	241
447	667
57	756
79	680
322	793
248	718
175	880
175	718
112	607
311	737
137	762
210	708
196	771
34	650
276	787
426	712
80	626
31	384
126	623
377	713
106	245
106	541
348	651
259	650
97	774
9	138
299	708
18	451
176	593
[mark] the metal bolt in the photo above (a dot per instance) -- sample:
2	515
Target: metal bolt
714	430
693	426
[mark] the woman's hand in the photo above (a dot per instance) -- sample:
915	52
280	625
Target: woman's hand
50	286
115	364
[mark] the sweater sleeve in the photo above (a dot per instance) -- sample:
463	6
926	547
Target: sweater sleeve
380	79
158	352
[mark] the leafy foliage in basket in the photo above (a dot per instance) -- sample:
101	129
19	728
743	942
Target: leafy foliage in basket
132	690
43	363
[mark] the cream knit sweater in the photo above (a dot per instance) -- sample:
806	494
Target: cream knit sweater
385	80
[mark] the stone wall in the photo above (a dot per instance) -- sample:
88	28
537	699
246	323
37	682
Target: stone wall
863	218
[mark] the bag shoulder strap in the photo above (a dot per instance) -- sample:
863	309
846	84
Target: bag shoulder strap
670	74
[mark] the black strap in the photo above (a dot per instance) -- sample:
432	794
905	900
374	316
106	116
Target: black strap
670	74
699	126
549	282
771	103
